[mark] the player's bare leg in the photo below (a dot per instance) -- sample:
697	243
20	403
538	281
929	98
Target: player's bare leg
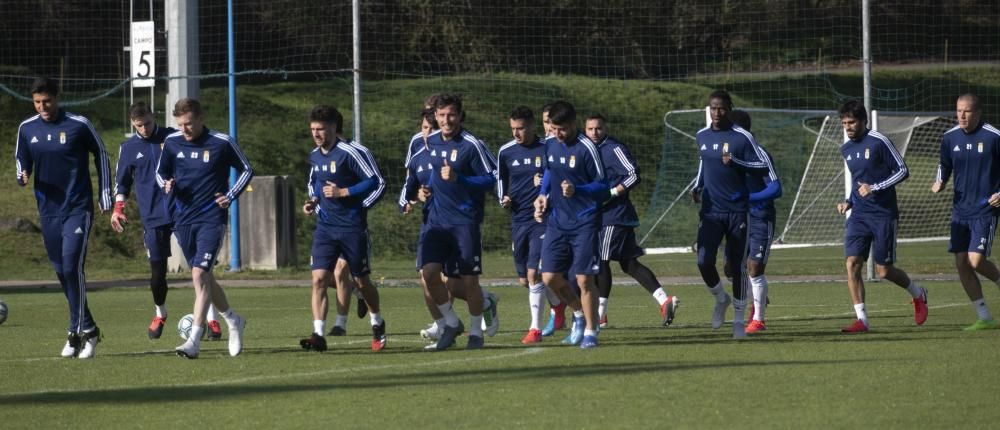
918	293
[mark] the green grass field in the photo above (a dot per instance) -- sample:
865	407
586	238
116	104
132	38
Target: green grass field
801	373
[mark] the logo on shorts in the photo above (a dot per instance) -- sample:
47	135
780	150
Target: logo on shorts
208	256
78	231
204	264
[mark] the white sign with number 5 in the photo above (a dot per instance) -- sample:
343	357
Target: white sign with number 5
143	54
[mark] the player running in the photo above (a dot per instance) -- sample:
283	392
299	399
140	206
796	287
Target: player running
728	153
876	167
53	146
194	168
618	221
576	175
971	150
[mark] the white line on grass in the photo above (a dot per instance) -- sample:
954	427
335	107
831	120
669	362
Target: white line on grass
339	370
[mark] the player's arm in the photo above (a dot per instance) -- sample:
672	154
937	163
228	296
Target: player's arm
102	164
374	195
503	179
751	159
165	169
624	159
22	159
483	170
238	160
772	189
944	167
312	197
896	165
596	189
698	183
408	195
124	176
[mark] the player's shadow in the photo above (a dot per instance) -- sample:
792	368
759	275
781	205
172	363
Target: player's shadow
403	377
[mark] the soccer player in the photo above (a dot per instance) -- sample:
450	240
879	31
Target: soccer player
971	150
728	153
464	171
876	167
416	188
760	225
618	221
53	147
570	244
344	182
194	168
520	164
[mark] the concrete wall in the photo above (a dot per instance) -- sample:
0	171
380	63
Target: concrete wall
267	227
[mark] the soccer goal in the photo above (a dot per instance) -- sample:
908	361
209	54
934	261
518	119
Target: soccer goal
805	147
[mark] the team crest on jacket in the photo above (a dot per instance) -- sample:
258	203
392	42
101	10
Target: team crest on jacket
538	161
204	156
333	166
572	161
62	138
867	153
454	155
980	147
725	147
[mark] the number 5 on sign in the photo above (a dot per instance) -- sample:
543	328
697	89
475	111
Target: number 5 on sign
143	54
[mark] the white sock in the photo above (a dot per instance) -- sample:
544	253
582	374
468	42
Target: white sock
486	296
375	318
862	314
589	332
476	323
195	336
450	319
577	314
914	290
212	314
535	296
161	311
319	327
759	287
718	292
230	316
341	321
437	325
739	311
660	296
554	298
982	309
602	307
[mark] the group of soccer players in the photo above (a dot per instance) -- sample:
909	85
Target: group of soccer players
567	193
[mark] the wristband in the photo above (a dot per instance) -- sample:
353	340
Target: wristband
614	191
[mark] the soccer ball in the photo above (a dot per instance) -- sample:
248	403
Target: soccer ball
3	312
185	324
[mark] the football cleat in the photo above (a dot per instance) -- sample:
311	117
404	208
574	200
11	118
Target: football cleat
378	337
857	326
920	307
491	319
214	331
362	307
719	314
187	350
431	332
156	327
576	333
236	335
739	330
668	310
755	326
976	326
315	342
604	322
89	342
588	342
534	336
557	319
447	338
475	342
337	331
72	347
